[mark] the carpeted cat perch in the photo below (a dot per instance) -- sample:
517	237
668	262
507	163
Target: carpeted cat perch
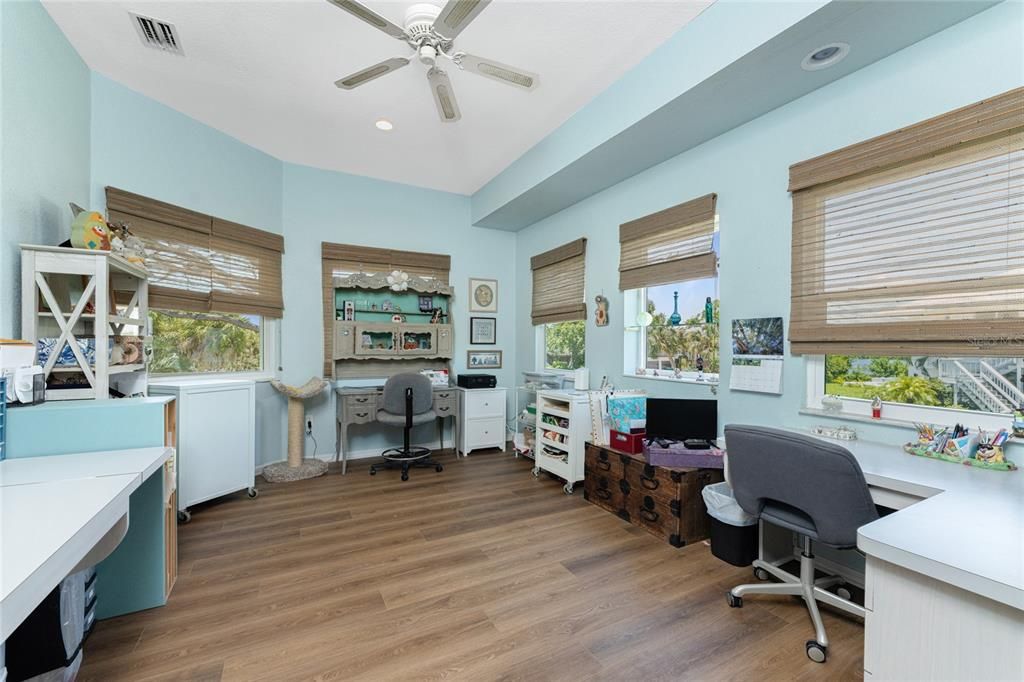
297	467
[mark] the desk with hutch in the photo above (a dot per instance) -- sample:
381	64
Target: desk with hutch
379	332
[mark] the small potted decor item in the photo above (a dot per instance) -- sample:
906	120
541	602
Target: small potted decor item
832	404
1018	422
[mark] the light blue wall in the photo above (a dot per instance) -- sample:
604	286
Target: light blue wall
324	206
721	34
145	147
44	141
748	168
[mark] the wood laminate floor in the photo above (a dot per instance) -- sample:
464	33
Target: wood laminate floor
481	572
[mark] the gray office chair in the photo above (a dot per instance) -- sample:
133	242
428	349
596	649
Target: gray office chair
408	399
809	486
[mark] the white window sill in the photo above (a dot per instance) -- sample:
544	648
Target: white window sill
258	377
674	380
861	419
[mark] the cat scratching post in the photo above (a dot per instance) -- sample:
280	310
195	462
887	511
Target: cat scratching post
297	467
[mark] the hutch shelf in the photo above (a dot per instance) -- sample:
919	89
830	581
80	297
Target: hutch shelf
374	322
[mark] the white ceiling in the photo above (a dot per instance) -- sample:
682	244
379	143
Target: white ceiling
264	72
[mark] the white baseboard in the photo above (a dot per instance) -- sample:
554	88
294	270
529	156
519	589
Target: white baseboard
351	456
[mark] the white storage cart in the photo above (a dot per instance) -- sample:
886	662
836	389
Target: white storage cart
216	421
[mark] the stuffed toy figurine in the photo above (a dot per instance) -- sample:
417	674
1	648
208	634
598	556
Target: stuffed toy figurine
89	231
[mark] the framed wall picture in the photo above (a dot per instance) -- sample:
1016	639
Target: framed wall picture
483	330
483	359
483	295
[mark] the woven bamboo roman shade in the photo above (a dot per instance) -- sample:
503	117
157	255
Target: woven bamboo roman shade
912	243
558	276
338	260
200	263
673	245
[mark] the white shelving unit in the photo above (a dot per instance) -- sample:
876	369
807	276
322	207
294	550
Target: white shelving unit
561	445
58	288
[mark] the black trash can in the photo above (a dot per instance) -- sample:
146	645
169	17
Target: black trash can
733	531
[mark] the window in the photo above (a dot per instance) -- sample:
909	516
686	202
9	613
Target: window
677	342
979	391
564	345
199	343
908	268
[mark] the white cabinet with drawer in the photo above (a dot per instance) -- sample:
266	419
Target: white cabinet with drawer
483	418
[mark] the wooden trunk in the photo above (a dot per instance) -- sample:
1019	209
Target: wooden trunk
667	502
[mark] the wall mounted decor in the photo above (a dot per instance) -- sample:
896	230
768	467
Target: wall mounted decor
601	311
483	330
483	359
483	295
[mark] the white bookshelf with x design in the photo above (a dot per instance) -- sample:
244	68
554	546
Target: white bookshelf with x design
79	294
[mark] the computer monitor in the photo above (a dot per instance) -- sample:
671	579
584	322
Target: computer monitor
679	419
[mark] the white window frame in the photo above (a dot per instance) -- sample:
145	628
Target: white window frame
540	350
634	347
859	409
270	359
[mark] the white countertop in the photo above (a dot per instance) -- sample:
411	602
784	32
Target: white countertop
53	511
969	532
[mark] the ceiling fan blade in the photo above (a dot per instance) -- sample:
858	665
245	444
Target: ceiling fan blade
503	73
366	75
361	11
456	16
444	98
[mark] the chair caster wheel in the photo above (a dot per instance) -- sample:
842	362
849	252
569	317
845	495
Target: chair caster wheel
567	488
184	516
816	652
405	476
734	601
254	493
761	574
373	471
844	593
439	468
536	472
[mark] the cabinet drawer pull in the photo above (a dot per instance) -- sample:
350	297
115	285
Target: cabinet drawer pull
603	493
361	400
443	395
443	409
649	483
603	465
362	415
649	515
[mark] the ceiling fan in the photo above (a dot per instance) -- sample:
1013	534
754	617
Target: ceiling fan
431	31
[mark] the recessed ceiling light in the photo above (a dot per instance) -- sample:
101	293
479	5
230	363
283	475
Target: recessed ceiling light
384	124
825	56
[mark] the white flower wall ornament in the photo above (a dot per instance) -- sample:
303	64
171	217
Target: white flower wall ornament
398	280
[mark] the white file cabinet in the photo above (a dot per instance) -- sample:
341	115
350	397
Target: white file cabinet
482	416
216	422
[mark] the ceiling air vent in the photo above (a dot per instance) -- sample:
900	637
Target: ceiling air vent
157	34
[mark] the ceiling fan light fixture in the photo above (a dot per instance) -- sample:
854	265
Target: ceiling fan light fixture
384	124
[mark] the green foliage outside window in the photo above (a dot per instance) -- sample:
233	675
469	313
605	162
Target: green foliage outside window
681	345
186	342
564	345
